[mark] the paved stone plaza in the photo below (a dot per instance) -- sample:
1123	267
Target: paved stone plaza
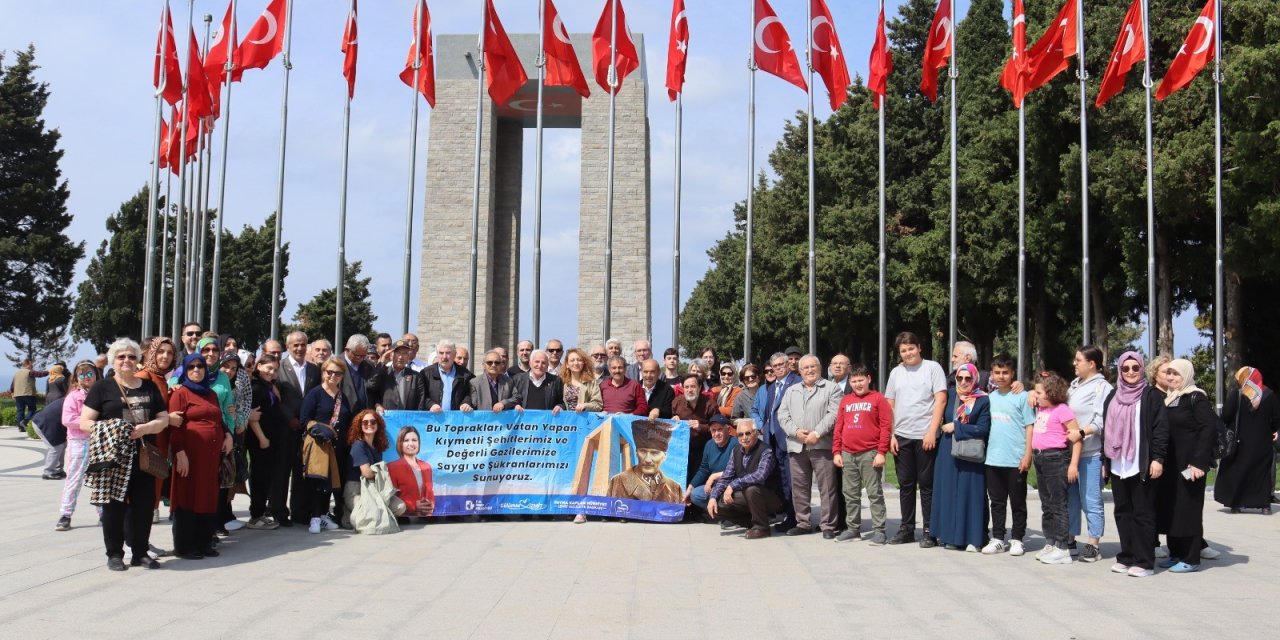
555	579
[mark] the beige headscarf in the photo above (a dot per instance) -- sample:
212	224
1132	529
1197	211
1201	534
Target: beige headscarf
1188	373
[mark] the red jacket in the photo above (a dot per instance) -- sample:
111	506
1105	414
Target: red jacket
863	423
402	478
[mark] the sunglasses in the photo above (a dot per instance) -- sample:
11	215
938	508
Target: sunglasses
746	435
369	421
191	334
555	350
964	378
331	372
599	356
196	365
492	363
726	372
750	377
126	356
87	375
1133	368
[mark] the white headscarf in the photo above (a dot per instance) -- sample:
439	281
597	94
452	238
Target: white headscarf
1188	373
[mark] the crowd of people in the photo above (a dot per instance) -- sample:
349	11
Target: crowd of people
299	427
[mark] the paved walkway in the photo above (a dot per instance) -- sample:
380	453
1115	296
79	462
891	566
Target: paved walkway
555	579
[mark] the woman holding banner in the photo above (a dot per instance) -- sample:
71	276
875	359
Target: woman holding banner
581	389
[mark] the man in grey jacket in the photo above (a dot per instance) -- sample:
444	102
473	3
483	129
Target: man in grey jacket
807	413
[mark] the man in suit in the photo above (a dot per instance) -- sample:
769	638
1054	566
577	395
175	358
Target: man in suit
642	350
538	389
493	390
524	349
840	373
555	351
765	414
657	394
357	384
296	377
448	385
396	386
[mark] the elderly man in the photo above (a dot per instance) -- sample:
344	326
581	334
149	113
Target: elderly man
658	395
396	386
448	385
641	350
714	460
463	358
613	347
965	353
493	390
697	408
360	374
807	413
620	394
296	376
764	411
839	366
645	480
555	351
600	361
538	389
524	349
502	353
321	350
749	491
417	364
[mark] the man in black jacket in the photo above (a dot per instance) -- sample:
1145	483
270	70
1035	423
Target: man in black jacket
538	389
448	384
295	379
657	393
396	386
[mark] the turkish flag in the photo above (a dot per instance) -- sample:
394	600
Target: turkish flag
349	47
937	48
215	60
170	84
677	50
827	56
779	59
625	58
1048	57
1196	51
505	73
1130	49
163	152
1014	77
881	63
199	105
422	53
563	69
169	148
265	39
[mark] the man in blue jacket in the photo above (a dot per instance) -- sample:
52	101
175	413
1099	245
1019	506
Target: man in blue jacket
765	414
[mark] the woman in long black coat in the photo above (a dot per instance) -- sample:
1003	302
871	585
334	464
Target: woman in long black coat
1244	479
1180	500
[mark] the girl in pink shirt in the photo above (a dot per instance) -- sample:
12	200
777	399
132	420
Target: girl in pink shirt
86	374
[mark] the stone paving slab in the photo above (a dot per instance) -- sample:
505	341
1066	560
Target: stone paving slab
553	579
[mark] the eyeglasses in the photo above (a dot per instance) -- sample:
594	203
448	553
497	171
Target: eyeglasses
555	350
334	373
191	334
599	356
748	378
369	421
492	363
964	378
1132	368
209	349
126	356
746	435
87	375
726	372
196	365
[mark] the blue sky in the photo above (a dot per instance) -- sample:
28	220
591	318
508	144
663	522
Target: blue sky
96	56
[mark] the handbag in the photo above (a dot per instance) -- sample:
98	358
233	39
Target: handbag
971	450
227	472
152	460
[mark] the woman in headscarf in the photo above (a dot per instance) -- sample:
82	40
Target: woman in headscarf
1136	442
242	392
198	444
1180	500
726	392
959	512
1244	479
159	355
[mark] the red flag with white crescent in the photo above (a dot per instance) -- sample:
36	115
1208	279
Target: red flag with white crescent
827	55
350	44
505	73
170	82
1196	52
1048	57
677	50
1130	49
773	52
199	105
625	59
421	53
563	69
937	48
215	60
881	63
264	41
1014	77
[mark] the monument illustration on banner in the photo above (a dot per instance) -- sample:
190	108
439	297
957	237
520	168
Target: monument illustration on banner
597	462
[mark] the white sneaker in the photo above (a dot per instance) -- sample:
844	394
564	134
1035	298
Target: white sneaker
970	549
1015	548
994	547
1057	556
1045	550
328	523
1162	551
233	525
1209	553
315	526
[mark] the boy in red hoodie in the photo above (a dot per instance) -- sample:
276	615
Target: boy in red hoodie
859	442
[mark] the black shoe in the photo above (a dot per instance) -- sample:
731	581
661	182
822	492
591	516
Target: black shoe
116	564
49	476
283	519
902	537
928	542
799	531
64	524
222	532
211	553
828	535
190	556
145	561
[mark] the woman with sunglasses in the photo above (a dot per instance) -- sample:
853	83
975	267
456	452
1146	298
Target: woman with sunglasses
1136	443
198	444
750	377
138	402
959	518
727	391
323	405
367	439
86	375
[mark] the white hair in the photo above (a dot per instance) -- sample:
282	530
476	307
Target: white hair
745	422
968	350
613	342
356	341
120	345
447	345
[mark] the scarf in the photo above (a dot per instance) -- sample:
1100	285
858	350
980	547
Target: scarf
962	411
1188	373
153	347
1251	386
203	387
1119	436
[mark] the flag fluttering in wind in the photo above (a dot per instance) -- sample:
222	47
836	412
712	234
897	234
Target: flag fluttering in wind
773	51
264	41
677	50
1196	52
170	82
215	60
504	72
827	56
562	67
421	53
937	48
881	63
1130	49
1014	77
1048	57
625	59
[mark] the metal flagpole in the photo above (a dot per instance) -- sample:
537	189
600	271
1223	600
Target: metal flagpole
179	267
751	169
413	170
148	280
608	205
1022	241
164	257
222	173
952	75
193	222
277	265
475	188
1083	74
813	300
1151	197
537	180
342	191
675	242
883	350
1218	362
206	174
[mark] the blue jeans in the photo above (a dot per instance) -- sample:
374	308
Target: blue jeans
1089	490
699	497
26	406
